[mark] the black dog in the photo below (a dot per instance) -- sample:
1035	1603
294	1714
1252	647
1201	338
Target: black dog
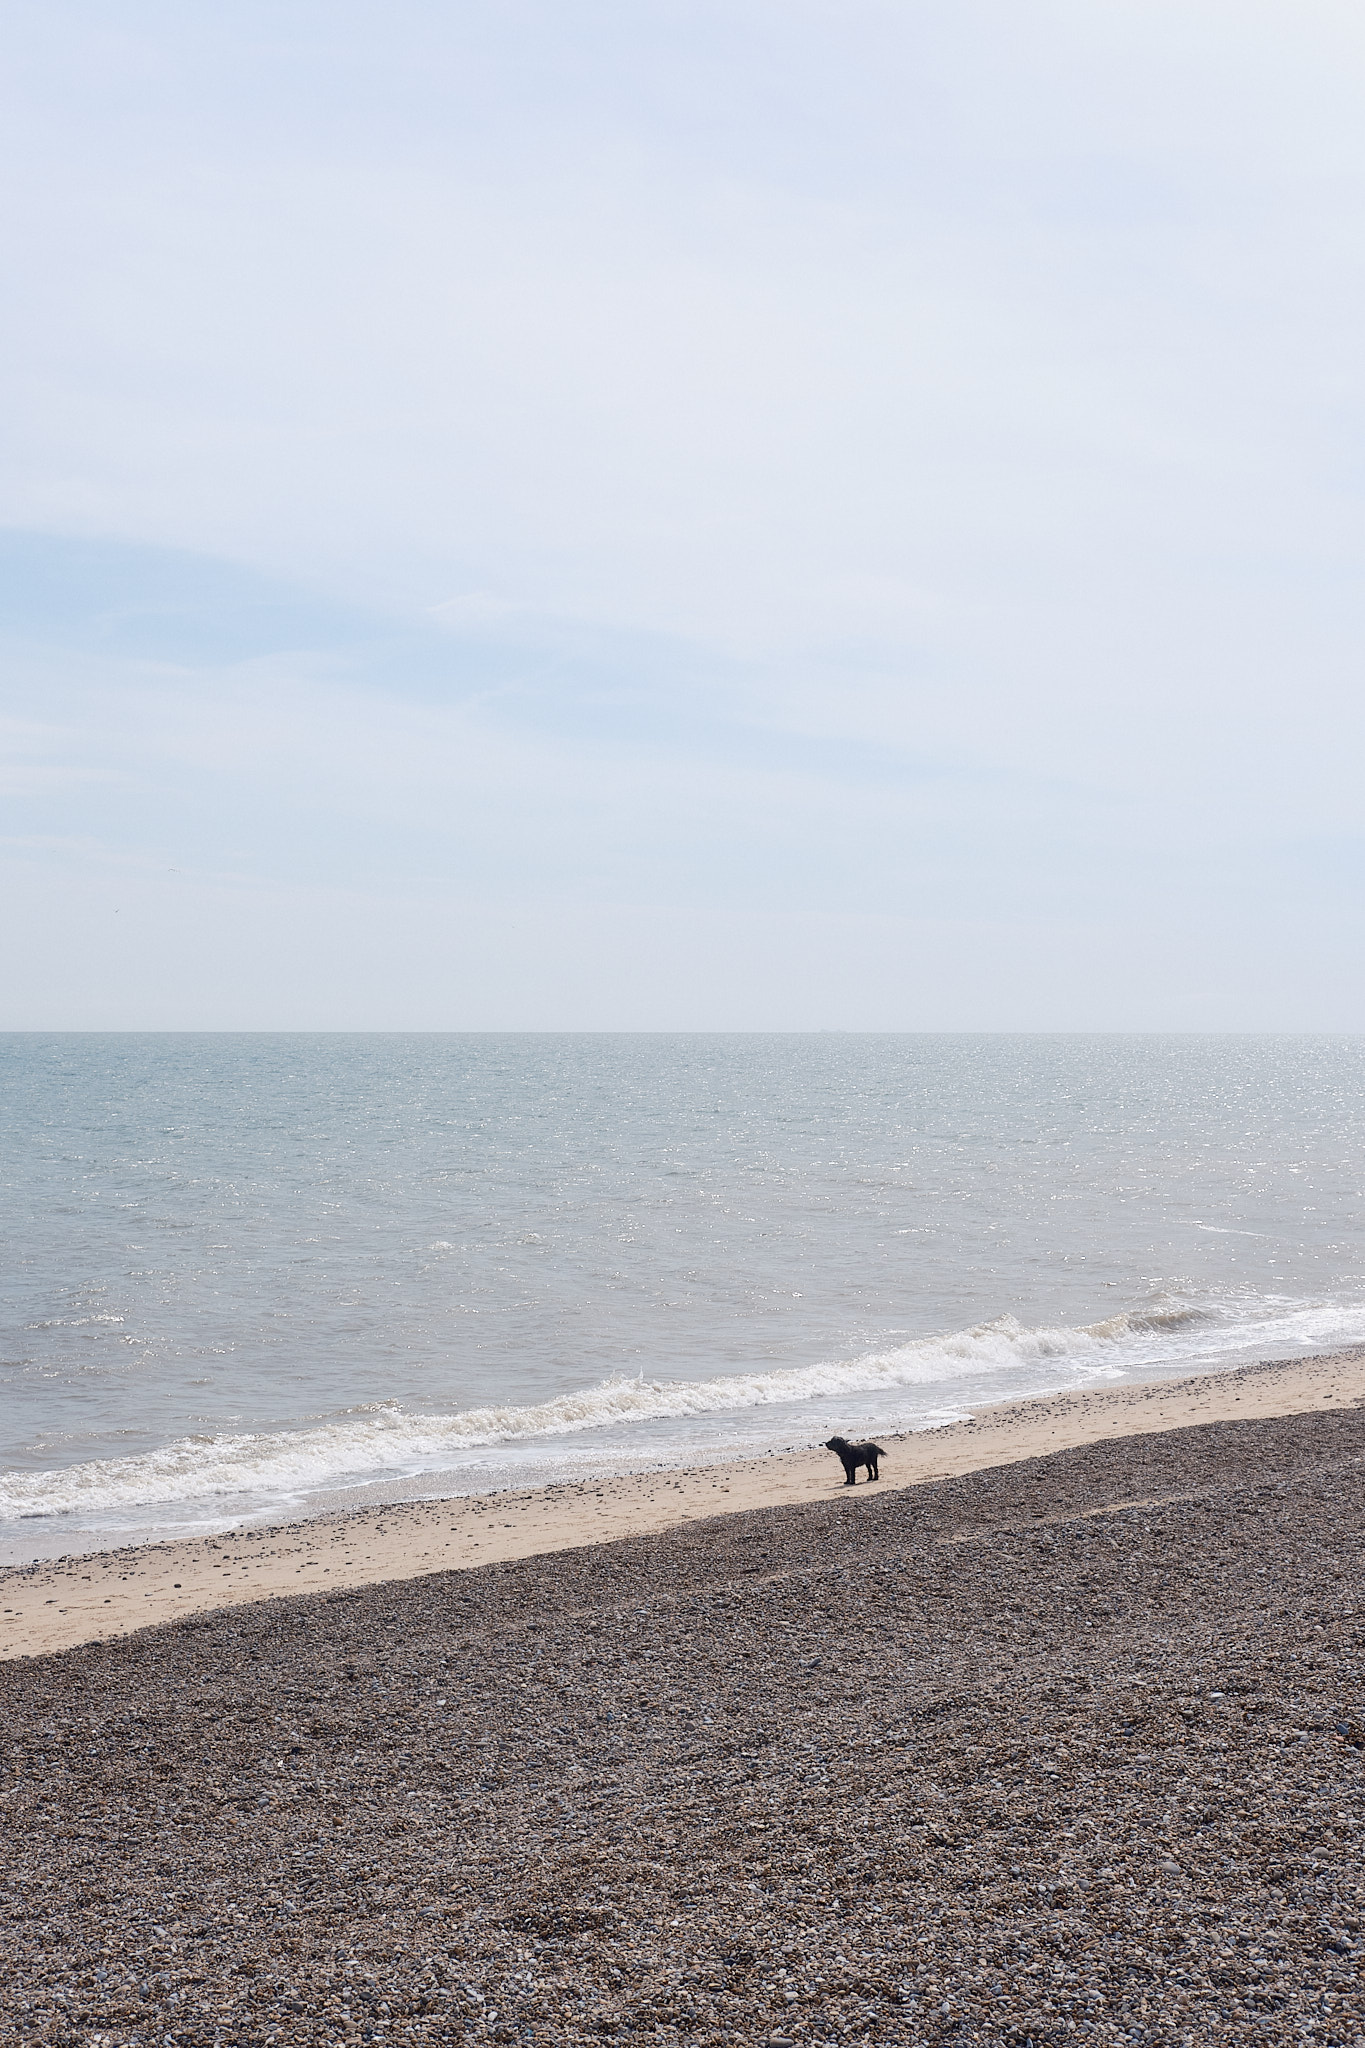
854	1455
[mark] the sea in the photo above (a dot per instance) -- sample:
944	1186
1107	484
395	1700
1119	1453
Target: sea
249	1277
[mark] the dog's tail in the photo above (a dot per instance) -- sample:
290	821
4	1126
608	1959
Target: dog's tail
878	1449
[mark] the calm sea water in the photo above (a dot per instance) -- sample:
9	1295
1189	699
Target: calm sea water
242	1272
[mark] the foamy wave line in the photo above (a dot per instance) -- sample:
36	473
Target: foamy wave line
387	1439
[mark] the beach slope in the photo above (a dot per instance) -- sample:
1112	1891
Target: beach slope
1064	1748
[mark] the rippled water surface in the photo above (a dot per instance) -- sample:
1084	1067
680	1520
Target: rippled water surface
242	1270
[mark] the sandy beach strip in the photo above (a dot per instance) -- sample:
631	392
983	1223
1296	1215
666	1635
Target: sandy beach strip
1062	1749
58	1603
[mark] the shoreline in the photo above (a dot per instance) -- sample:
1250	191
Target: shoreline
56	1604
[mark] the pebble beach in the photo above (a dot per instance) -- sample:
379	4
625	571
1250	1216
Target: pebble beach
1066	1748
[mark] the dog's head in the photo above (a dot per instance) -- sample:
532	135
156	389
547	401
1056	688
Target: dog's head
837	1443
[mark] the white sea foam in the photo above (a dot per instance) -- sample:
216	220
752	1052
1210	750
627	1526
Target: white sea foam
72	1322
981	1363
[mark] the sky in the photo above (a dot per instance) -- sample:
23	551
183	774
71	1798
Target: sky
765	515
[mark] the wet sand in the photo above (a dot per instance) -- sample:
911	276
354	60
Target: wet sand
55	1604
1066	1748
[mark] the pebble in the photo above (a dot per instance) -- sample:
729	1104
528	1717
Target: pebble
1079	1761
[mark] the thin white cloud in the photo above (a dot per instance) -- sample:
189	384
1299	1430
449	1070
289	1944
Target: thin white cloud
943	429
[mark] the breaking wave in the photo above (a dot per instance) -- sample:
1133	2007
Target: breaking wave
387	1440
